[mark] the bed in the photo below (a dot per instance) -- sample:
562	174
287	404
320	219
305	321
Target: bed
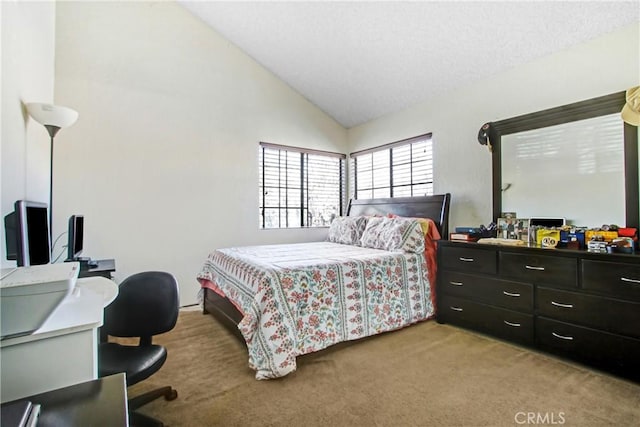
374	274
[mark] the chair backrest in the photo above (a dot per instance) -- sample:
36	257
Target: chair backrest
147	304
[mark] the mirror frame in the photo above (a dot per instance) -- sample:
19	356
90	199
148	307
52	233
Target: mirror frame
590	108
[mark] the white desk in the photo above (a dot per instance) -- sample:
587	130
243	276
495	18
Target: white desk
64	351
106	288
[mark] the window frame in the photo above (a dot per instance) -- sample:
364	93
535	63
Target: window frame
305	193
353	165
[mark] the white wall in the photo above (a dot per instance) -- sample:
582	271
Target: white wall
28	47
163	159
462	167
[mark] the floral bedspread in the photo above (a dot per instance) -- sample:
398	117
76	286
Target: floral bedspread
301	298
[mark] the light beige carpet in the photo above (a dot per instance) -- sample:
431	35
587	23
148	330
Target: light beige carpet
424	375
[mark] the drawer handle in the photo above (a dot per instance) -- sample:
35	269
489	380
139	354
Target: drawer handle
559	304
531	267
624	279
455	308
466	259
515	325
456	283
562	337
510	294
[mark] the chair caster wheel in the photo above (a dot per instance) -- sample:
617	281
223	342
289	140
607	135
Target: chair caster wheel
171	395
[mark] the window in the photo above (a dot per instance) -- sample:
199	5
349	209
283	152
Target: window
299	187
399	169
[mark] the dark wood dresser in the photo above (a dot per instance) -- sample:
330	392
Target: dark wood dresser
576	304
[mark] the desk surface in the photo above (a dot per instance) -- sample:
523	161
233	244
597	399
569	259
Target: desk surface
82	309
101	402
63	351
106	288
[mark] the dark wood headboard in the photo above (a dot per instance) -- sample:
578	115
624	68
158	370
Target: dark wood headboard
434	207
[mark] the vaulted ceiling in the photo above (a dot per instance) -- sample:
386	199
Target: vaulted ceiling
361	60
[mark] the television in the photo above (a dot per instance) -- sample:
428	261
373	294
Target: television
75	237
27	235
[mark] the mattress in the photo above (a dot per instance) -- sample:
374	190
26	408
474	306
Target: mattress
301	298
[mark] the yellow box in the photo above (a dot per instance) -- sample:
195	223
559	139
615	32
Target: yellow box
547	238
606	235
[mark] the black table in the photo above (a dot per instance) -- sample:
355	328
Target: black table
104	269
97	403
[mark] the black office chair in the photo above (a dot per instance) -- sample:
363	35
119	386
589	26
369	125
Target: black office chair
146	305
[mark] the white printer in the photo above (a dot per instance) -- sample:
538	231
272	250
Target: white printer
28	295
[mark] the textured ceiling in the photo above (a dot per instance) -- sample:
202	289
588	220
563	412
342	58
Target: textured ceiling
361	60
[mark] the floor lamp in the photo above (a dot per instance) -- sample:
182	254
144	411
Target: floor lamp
54	118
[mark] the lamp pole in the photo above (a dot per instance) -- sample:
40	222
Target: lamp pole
52	132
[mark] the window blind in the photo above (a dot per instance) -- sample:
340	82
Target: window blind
400	169
299	187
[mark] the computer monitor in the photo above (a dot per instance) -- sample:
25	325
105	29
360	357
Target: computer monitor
27	233
75	237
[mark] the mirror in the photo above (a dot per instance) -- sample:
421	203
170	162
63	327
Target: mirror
585	154
578	161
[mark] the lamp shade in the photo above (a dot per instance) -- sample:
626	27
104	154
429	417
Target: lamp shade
52	115
631	110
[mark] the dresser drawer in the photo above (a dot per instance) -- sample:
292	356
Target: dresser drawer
549	269
612	315
512	295
468	259
614	278
608	350
506	324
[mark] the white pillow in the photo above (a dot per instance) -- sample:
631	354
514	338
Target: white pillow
347	229
393	234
